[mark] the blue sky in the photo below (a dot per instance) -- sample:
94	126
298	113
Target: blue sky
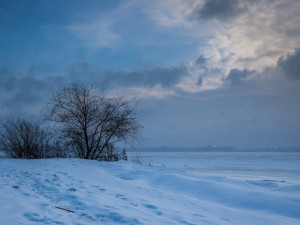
224	73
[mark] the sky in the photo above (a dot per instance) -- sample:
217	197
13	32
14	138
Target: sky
204	72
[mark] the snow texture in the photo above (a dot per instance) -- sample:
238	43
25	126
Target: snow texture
180	189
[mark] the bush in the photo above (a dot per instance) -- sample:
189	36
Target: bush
109	154
20	138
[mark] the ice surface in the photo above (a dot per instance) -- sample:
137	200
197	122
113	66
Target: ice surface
279	165
181	188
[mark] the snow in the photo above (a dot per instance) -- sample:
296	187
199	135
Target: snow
181	188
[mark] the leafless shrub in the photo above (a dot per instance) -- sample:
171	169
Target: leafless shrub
20	138
136	157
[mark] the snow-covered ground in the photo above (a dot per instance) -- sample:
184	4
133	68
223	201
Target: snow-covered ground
180	188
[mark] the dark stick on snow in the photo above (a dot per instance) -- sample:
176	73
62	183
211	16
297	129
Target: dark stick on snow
64	209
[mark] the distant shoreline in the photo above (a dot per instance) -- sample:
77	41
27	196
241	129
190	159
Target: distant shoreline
211	149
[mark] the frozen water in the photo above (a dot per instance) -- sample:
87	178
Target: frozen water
279	165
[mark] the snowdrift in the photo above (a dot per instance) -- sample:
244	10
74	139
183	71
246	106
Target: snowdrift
38	191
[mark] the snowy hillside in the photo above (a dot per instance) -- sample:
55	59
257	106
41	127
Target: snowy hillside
126	193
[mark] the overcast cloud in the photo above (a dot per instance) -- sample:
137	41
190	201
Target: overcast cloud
204	71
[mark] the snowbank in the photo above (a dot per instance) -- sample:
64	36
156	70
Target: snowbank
126	193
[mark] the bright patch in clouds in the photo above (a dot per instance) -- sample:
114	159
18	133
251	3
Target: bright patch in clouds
156	92
256	39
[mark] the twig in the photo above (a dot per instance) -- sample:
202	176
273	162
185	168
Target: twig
64	209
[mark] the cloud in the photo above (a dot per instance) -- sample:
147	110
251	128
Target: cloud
235	76
256	39
155	92
219	9
148	77
171	13
200	81
290	65
25	93
234	34
201	60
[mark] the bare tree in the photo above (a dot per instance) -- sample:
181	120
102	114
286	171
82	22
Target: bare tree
92	123
20	138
